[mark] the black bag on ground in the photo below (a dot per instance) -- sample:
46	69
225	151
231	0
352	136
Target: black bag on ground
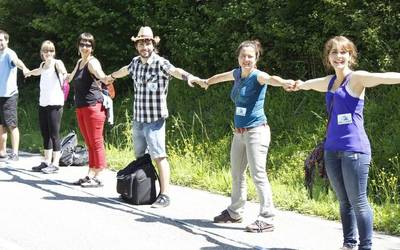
80	156
68	144
137	182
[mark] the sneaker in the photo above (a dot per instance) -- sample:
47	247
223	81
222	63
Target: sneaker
225	217
13	157
348	247
81	181
92	183
51	169
260	227
162	201
3	157
40	167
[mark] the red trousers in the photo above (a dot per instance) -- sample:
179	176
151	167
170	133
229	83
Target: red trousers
91	123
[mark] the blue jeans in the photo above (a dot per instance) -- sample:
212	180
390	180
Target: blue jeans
348	175
149	137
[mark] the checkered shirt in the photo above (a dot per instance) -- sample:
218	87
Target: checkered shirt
150	84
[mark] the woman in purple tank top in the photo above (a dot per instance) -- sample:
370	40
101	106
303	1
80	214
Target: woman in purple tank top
347	148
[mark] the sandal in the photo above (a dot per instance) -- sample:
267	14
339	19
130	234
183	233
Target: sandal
81	181
259	227
92	183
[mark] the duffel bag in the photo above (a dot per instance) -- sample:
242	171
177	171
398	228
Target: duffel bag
136	183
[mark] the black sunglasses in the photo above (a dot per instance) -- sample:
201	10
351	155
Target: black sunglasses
87	45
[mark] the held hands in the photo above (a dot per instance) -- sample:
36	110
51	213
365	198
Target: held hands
108	79
192	79
291	85
26	72
202	83
298	85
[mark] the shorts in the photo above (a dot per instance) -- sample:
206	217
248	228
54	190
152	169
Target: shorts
8	111
149	137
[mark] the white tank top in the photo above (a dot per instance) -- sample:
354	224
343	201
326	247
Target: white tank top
50	88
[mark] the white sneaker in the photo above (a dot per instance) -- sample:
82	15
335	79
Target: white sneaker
347	248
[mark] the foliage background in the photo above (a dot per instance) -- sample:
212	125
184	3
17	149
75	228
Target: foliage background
201	36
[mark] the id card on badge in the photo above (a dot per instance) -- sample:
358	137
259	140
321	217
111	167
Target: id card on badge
344	119
240	111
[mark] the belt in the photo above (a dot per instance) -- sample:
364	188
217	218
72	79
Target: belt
242	130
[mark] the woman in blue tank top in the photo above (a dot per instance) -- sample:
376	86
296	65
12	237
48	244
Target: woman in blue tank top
347	148
251	137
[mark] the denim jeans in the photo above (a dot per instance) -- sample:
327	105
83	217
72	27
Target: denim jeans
348	175
149	137
250	147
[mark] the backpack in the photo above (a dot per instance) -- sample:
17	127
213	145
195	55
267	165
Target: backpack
68	144
80	156
137	182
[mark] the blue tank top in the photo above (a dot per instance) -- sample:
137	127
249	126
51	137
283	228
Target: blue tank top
346	126
248	95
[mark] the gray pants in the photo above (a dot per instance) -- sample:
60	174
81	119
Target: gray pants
250	148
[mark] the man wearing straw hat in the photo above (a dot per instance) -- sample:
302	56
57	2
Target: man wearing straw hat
150	74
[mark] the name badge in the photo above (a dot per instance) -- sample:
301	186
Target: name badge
344	119
152	86
240	111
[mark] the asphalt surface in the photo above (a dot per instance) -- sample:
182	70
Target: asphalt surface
46	212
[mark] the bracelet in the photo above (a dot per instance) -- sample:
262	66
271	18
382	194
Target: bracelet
112	76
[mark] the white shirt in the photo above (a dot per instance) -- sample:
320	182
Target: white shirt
50	87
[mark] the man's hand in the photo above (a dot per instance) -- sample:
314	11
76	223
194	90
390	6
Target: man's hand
192	79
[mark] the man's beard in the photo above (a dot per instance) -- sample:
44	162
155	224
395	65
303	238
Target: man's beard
146	54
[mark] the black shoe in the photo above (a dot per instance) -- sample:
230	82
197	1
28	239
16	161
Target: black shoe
81	180
3	157
51	169
225	217
92	183
162	201
40	167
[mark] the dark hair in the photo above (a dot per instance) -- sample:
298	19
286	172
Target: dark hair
6	36
87	37
344	43
251	43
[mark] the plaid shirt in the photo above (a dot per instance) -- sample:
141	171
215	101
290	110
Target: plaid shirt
150	84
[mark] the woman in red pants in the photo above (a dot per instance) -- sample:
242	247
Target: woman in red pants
90	111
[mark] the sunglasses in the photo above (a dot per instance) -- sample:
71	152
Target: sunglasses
87	45
48	50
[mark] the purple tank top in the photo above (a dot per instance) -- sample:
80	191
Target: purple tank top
346	126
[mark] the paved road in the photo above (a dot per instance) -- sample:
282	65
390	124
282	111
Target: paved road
45	212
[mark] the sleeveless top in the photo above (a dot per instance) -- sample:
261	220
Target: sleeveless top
50	87
248	95
87	91
346	126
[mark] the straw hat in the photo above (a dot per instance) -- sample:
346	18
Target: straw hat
145	32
